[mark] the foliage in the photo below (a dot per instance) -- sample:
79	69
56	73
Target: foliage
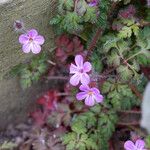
103	10
72	15
8	146
122	49
31	72
120	39
88	130
67	47
119	95
148	141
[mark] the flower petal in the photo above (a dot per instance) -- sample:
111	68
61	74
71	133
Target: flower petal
26	48
35	48
129	145
39	39
73	69
95	90
85	79
89	101
81	95
87	67
74	80
84	88
79	61
92	4
23	39
139	144
32	33
98	98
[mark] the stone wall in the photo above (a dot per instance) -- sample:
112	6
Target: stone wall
35	14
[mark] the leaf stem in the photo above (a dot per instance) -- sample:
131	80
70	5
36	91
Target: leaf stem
134	55
95	39
58	78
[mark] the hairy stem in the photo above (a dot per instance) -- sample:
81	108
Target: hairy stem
134	90
95	39
134	55
57	78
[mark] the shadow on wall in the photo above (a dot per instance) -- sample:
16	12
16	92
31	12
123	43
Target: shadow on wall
14	102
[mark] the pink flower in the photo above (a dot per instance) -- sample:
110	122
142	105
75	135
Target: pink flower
80	71
93	3
31	41
91	95
139	145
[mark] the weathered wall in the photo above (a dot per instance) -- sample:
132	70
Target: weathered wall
35	14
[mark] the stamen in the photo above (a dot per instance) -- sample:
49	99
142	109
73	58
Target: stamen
90	93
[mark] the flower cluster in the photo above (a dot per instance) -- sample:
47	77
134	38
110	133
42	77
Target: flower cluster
80	74
139	145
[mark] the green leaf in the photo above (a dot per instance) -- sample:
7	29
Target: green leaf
16	70
71	145
113	59
8	145
72	22
91	144
124	72
107	87
69	137
56	20
109	41
79	127
90	15
68	4
125	32
96	62
147	141
135	29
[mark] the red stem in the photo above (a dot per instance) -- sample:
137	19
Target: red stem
95	39
137	93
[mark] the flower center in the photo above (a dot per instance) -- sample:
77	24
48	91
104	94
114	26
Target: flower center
30	39
81	71
90	93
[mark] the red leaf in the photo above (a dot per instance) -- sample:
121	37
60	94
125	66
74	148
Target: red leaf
48	100
39	117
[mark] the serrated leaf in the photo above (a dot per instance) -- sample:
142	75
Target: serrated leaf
71	22
125	32
69	137
124	72
71	145
110	42
107	87
56	20
113	59
90	15
79	127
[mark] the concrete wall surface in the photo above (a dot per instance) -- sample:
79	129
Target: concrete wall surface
35	14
